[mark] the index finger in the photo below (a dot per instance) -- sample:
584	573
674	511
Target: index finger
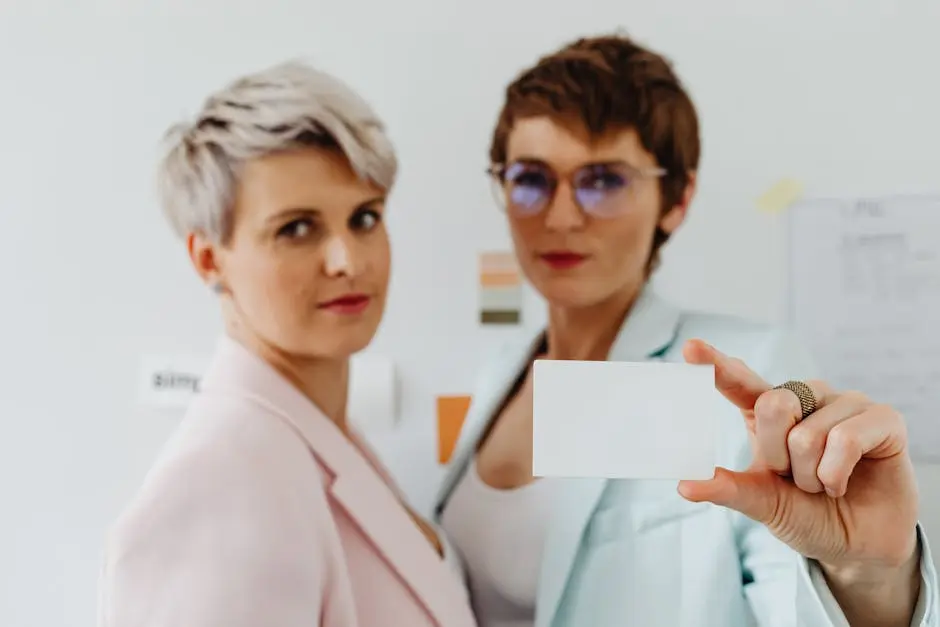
733	378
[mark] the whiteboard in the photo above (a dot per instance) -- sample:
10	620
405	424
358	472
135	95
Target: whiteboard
864	287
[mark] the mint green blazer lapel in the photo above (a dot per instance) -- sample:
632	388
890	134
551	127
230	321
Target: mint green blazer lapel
648	332
489	393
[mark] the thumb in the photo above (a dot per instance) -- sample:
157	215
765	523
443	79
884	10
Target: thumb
756	494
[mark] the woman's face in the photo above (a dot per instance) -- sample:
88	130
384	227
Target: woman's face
572	257
306	269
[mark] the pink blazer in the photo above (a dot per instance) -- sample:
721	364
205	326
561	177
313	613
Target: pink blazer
260	513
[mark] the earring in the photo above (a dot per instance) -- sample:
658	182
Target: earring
217	287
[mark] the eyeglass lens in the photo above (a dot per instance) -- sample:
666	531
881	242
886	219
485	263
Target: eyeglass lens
599	189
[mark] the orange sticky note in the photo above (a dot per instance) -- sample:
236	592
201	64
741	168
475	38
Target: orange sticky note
451	412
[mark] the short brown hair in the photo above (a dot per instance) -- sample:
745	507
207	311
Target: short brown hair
610	83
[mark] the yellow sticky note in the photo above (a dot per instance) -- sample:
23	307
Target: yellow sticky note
781	195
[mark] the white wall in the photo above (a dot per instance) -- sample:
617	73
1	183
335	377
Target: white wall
845	99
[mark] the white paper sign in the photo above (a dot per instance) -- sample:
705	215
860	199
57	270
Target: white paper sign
170	381
372	392
623	420
865	297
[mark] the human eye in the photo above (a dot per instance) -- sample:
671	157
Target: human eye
365	220
602	178
530	177
296	229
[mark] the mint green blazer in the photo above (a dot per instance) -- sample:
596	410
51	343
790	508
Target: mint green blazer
631	553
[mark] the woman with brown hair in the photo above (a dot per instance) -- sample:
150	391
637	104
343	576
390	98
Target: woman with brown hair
594	159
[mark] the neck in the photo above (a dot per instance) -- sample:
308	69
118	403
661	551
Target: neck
587	333
324	381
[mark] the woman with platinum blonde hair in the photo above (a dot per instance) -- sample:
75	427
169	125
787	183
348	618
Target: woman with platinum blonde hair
265	508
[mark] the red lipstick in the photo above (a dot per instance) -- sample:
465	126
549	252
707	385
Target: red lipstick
347	304
562	259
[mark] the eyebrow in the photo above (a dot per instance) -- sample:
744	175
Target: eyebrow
314	212
600	162
294	212
528	160
368	204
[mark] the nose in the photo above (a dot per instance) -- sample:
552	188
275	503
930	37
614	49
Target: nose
563	213
338	258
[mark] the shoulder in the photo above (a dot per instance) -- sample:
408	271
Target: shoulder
730	334
217	536
773	351
504	359
233	480
500	367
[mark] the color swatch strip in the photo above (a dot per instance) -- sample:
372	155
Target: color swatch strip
500	289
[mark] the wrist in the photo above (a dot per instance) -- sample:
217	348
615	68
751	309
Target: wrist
877	573
883	593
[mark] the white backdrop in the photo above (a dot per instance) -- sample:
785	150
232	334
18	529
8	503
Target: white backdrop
843	98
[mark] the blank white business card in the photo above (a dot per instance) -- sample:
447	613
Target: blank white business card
624	420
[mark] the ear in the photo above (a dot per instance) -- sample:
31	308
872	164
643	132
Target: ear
676	216
204	255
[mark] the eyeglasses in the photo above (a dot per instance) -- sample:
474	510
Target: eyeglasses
603	190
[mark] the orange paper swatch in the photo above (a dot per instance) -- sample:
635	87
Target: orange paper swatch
451	412
500	279
499	269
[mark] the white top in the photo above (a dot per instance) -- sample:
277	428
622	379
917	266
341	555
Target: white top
502	558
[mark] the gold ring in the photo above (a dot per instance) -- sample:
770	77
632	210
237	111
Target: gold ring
808	401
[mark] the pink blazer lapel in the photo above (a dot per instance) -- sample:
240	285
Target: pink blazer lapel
354	484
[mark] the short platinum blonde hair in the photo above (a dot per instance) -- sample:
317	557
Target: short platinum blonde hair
288	106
